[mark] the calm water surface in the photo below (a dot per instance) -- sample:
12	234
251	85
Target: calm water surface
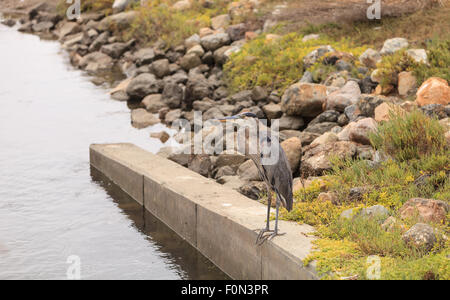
52	205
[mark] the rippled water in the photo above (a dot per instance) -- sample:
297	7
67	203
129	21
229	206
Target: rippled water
52	205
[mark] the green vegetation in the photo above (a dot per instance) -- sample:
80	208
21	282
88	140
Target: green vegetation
276	64
156	21
409	137
439	60
343	246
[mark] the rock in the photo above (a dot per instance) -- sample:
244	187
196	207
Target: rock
225	171
349	94
9	22
327	137
312	57
352	112
384	90
320	128
326	116
213	113
370	58
160	67
232	182
43	26
201	164
120	5
434	110
173	95
229	158
376	211
203	105
306	78
259	94
310	37
115	50
144	56
367	85
421	235
119	92
253	190
221	21
140	118
172	116
215	41
153	103
143	85
237	32
375	76
328	197
315	159
368	103
304	99
99	41
419	55
434	90
357	193
119	21
359	133
393	45
190	61
192	41
272	111
306	137
248	171
293	149
197	50
198	87
69	28
383	111
182	5
427	210
162	136
95	62
291	122
407	83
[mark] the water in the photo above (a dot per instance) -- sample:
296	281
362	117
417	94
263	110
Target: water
52	205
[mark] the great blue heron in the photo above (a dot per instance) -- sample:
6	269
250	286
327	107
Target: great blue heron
277	175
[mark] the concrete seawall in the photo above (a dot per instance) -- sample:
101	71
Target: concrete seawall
216	220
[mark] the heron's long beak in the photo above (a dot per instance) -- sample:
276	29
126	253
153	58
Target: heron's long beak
223	120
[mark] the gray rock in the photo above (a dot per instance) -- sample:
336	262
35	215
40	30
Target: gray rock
143	85
118	21
95	62
349	94
120	5
307	77
153	103
259	94
201	164
43	26
160	67
248	171
321	128
237	32
370	58
421	235
291	122
419	55
115	50
173	95
312	57
190	61
98	42
393	45
144	56
140	118
326	116
215	41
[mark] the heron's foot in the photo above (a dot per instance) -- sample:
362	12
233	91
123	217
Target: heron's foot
262	236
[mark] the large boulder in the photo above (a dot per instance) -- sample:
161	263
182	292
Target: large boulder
173	95
434	90
115	50
153	103
190	61
291	123
427	210
144	56
248	171
142	85
348	95
316	158
99	41
407	83
304	99
201	164
68	28
160	67
293	149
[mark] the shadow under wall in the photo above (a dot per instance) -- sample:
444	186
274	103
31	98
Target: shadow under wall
191	263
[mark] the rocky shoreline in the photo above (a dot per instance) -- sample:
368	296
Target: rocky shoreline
318	120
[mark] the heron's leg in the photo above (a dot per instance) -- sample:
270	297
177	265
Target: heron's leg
260	239
275	231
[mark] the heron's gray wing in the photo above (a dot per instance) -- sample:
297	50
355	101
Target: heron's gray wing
279	175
